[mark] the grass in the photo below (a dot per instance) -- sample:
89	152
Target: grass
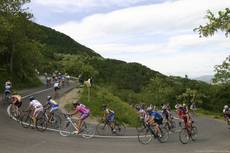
99	96
211	114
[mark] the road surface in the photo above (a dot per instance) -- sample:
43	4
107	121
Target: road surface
214	137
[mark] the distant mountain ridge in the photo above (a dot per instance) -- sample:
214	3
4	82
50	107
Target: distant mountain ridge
205	78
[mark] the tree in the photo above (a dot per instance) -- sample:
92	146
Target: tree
19	52
190	96
223	72
221	22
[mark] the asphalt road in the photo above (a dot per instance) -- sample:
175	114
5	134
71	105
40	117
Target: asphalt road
214	137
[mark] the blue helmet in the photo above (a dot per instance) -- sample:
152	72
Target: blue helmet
31	98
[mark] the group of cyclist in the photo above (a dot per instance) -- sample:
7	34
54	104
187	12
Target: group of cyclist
155	118
58	79
149	114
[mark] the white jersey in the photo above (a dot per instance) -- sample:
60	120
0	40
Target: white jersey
56	84
226	110
35	103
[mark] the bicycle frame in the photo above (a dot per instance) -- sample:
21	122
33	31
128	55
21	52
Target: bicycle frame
72	123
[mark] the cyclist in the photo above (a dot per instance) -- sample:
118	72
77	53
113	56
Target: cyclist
226	112
141	111
16	103
56	86
52	105
84	113
184	115
48	81
36	108
166	113
154	118
109	116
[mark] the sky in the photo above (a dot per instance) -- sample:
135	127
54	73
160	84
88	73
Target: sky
155	33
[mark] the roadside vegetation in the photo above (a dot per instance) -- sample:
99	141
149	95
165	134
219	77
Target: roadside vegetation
26	46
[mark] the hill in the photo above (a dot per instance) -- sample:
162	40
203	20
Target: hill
205	78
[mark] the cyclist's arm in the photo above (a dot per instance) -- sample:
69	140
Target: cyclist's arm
75	112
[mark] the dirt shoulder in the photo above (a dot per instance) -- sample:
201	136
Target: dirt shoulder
70	97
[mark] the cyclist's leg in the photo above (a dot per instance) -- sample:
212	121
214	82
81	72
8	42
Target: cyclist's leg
158	122
111	118
33	117
81	121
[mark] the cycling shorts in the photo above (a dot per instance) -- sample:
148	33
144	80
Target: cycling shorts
84	116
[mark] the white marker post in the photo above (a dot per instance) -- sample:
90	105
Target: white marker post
88	85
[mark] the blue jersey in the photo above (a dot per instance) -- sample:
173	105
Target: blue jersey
156	115
53	103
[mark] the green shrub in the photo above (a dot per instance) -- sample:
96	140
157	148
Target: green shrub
99	96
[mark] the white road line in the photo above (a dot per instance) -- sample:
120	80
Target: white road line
55	130
36	93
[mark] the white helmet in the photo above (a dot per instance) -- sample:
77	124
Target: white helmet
225	106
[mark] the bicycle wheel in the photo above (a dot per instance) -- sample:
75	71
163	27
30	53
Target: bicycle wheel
7	98
164	135
41	123
55	121
102	129
194	133
184	136
120	129
173	126
26	120
144	136
140	125
87	131
66	128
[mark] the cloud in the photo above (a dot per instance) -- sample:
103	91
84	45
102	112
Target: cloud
87	5
163	31
168	17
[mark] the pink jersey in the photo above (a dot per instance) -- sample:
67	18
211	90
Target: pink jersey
82	109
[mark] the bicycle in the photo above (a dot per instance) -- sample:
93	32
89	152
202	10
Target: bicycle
188	133
54	120
69	128
170	125
227	119
146	134
105	127
140	124
15	112
7	98
26	120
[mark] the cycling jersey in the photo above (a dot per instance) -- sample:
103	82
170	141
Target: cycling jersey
56	84
82	109
226	112
7	88
156	115
17	100
110	115
37	107
35	103
54	105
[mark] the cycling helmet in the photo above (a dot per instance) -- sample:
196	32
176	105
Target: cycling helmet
76	103
104	106
31	98
137	107
226	107
149	109
180	106
49	97
164	107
